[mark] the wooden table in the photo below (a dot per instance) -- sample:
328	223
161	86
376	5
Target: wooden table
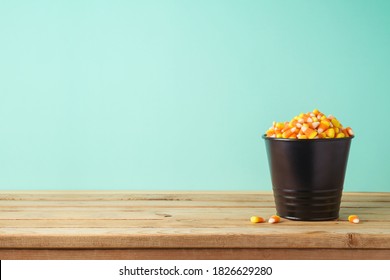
183	225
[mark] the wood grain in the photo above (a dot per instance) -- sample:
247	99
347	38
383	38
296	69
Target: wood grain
138	224
194	254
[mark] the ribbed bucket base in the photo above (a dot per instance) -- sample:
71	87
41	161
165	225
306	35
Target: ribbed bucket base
314	205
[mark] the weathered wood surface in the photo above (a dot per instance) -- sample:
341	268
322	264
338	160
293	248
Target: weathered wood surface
183	225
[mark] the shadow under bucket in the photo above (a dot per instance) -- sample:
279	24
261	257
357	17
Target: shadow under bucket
308	176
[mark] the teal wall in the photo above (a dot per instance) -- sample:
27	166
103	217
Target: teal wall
169	95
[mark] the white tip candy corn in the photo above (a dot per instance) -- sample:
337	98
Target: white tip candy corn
353	219
274	219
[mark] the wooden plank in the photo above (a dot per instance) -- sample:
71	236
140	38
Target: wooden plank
6	204
139	214
370	226
203	222
134	204
134	195
195	254
167	195
156	213
266	237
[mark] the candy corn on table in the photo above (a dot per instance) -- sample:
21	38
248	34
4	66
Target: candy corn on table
183	225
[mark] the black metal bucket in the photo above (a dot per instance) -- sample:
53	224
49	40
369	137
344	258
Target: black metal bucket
308	176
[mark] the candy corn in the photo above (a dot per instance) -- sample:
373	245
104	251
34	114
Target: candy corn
274	219
312	125
353	219
257	219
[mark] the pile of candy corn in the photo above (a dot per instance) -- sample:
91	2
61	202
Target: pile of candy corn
312	125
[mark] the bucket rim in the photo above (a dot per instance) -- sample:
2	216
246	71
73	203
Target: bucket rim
264	136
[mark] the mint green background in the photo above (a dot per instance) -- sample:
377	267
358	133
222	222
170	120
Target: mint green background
169	95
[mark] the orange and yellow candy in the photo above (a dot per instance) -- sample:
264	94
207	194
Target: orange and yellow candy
312	125
257	219
274	219
353	219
